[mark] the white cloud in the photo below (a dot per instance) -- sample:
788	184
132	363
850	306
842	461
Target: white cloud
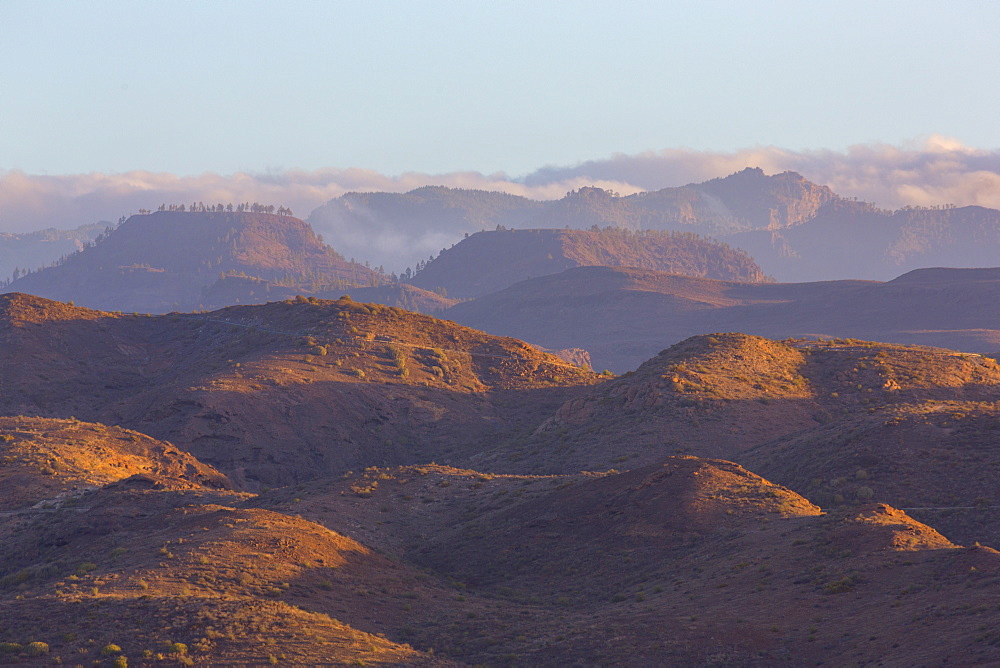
936	170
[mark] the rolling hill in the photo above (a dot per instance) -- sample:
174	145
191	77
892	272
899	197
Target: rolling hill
256	486
486	262
624	316
167	260
285	391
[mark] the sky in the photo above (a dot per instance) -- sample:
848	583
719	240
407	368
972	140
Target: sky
110	106
194	87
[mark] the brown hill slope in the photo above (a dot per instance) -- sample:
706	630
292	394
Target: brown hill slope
285	391
841	422
718	395
490	261
936	458
165	260
52	462
686	562
188	577
624	316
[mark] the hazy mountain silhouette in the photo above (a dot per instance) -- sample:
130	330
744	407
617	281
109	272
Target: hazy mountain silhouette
29	251
168	260
796	230
622	316
486	262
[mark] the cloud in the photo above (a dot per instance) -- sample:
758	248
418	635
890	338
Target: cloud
935	170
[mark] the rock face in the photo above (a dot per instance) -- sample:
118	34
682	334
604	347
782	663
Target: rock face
167	260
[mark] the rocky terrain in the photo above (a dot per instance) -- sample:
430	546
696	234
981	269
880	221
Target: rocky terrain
257	486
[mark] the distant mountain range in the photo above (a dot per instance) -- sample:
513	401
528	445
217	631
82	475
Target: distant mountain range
796	230
623	316
28	251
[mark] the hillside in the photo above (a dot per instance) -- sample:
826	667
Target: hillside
51	462
28	251
270	495
624	316
841	422
486	262
166	260
857	240
282	392
684	562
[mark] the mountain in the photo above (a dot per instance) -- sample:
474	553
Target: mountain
623	316
796	230
282	392
28	251
405	228
486	262
857	240
166	260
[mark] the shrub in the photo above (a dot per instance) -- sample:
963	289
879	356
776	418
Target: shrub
120	662
10	647
85	568
108	650
37	648
178	648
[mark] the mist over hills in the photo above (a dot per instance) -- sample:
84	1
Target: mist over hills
796	230
28	251
430	218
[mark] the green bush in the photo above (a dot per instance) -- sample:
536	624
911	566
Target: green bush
37	648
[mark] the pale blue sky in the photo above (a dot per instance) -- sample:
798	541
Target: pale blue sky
193	87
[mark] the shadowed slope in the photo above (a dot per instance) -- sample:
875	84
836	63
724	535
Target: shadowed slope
688	561
290	390
623	316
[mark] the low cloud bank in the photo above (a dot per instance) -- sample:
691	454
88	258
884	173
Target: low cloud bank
937	170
